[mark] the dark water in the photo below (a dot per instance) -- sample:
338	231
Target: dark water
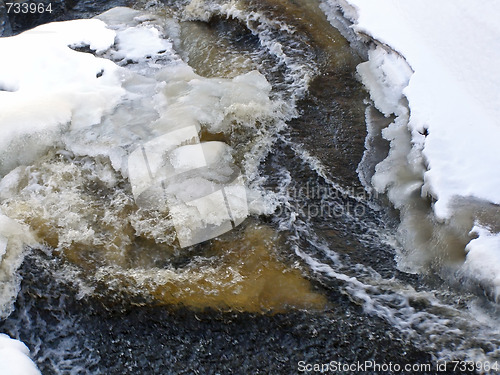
110	336
331	236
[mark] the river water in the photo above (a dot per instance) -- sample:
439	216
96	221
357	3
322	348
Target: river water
311	274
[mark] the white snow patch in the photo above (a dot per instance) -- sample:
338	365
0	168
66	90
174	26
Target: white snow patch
14	358
454	91
52	87
136	43
453	48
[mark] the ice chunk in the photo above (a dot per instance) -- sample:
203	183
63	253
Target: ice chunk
168	173
237	200
385	75
186	158
211	215
483	258
148	163
201	219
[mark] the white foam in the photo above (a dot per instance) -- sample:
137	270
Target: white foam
13	238
14	358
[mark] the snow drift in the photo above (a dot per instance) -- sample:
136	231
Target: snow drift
433	69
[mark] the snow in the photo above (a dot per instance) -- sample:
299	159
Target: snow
440	61
482	261
47	85
136	43
14	358
137	37
454	91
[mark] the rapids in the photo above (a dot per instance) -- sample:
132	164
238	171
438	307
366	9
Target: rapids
302	263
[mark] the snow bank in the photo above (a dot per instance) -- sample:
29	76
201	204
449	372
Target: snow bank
442	58
14	358
47	87
454	49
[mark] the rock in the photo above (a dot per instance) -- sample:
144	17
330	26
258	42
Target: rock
12	23
21	21
5	29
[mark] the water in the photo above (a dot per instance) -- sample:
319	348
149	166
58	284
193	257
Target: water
310	276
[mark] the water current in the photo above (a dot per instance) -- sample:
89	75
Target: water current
311	274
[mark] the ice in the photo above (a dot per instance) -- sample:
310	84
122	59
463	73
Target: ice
214	102
385	75
454	91
483	258
51	87
236	197
201	219
212	214
95	147
142	122
197	182
147	163
14	358
189	181
434	66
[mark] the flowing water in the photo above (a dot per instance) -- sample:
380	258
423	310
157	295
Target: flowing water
310	275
